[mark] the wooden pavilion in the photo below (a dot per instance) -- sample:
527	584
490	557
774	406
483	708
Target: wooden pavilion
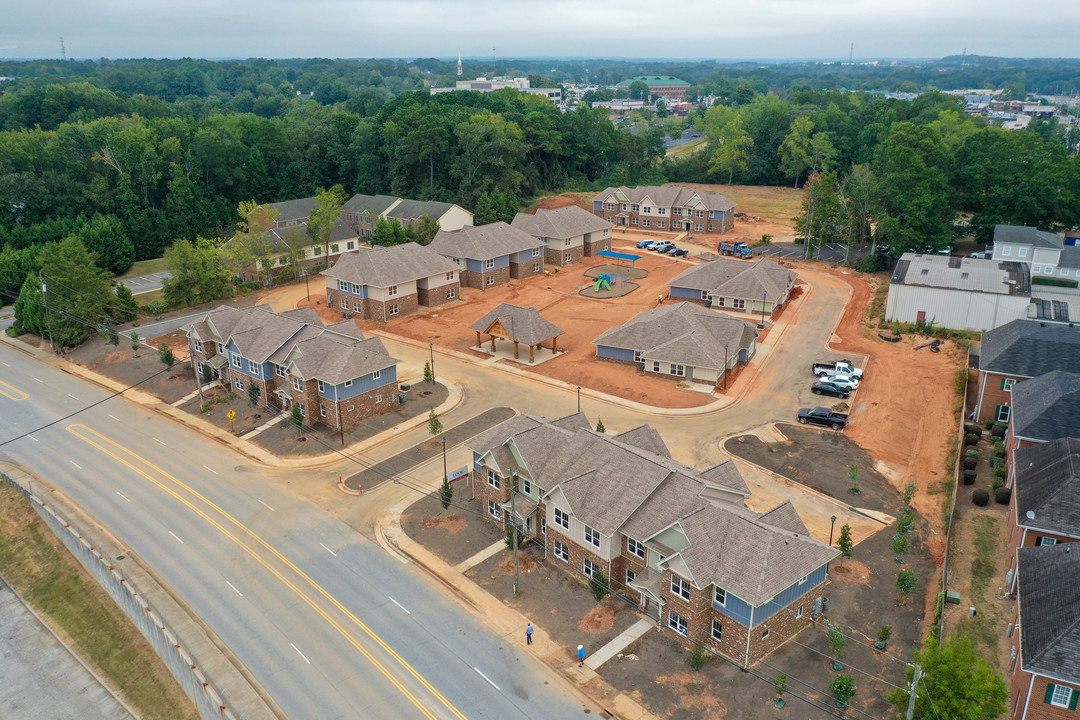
519	325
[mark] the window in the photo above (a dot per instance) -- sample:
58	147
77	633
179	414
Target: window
765	633
717	631
590	568
198	346
354	288
391	291
566	242
253	367
680	587
700	214
344	304
719	302
334	248
635	208
1047	541
635	548
490	279
798	613
536	267
348	383
678	370
376	375
705	295
710	227
611	206
698	227
303	410
236	361
637	356
349	245
342	285
1036	268
661	211
644	223
297	384
623	207
720	596
393	310
378	398
568	258
322	386
647	209
1021	252
1064	271
493	510
560	551
493	479
322	410
661	224
526	487
677	623
238	383
634	220
738	303
630	576
279	370
592	536
562	519
536	252
282	260
543	526
1007	384
656	366
1006	250
1061	696
357	307
803	579
1003	412
676	211
450	276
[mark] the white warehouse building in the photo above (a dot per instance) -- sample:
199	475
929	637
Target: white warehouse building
958	293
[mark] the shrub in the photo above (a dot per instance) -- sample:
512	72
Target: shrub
837	641
884	633
996	483
598	584
508	536
988	424
900	544
971	439
155	308
254	391
207	374
766	239
843	688
999	471
905	521
906	580
1053	281
165	354
973	428
1002	495
866	263
998	431
994	461
970	463
969	477
696	657
134	341
999	449
909	492
980	498
971	453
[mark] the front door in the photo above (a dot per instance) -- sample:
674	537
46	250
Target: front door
920	317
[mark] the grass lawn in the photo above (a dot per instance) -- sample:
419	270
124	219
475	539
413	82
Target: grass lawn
144	267
48	577
775	204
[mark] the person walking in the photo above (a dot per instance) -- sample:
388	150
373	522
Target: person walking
528	634
659	300
581	655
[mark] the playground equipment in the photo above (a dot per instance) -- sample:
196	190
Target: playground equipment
603	282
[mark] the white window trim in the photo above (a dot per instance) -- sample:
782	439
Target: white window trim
1044	541
376	375
237	362
592	536
560	551
631	543
630	576
297	384
322	385
1068	695
716	596
348	383
717	632
565	516
493	479
238	383
680	587
493	510
589	567
678	623
391	291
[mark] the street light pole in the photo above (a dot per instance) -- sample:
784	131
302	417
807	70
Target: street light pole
579	398
764	294
444	474
725	367
431	349
833	525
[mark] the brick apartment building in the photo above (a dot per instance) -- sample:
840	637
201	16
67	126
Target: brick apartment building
669	208
569	234
490	255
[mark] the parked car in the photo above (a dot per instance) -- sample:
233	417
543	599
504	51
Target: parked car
822	416
662	246
843	367
678	252
646	244
845	381
824	387
981	255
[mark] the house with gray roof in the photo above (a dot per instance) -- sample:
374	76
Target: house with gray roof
1045	652
363	212
957	292
1043	409
568	233
760	287
386	282
677	541
681	340
1018	351
1045	253
331	373
667	207
288	246
490	255
1045	508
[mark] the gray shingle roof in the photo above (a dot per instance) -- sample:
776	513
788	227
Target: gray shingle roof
728	277
645	437
523	324
1048	486
726	475
413	209
682	333
277	237
375	203
1023	235
293	209
1047	407
334	358
1029	348
561	223
1049	599
786	517
483	242
669	196
386	266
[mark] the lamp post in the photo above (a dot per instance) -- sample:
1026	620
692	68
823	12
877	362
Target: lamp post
833	525
445	476
431	349
725	367
764	294
579	398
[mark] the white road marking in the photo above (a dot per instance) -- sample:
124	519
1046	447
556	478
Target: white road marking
234	588
211	469
406	611
300	654
486	678
6	365
265	505
72	396
123	496
115	418
175	536
328	550
160	442
32	438
75	464
39	380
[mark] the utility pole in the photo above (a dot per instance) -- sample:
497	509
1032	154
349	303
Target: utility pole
514	532
48	315
195	368
914	692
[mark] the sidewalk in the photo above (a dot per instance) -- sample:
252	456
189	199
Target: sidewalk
510	623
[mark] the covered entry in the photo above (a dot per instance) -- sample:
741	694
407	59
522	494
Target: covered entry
518	325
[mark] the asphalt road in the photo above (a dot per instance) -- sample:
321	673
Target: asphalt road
831	252
326	621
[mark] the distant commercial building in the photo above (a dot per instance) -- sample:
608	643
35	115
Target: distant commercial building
660	86
486	85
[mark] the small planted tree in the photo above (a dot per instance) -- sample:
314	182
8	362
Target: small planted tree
900	544
600	426
883	634
509	533
853	476
429	377
135	341
296	417
837	643
446	493
598	585
843	689
905	521
780	684
254	391
696	657
906	580
434	424
165	354
844	543
207	374
909	493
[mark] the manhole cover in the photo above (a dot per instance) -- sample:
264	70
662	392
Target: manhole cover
121	557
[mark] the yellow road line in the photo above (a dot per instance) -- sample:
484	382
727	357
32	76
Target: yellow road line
13	389
74	430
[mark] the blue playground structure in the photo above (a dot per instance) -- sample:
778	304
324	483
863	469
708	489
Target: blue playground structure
603	282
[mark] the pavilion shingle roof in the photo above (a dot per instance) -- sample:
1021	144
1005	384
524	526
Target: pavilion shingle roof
525	325
668	196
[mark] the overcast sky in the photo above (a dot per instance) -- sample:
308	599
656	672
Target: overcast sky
628	28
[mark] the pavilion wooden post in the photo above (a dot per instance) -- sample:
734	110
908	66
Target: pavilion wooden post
532	355
554	343
515	349
479	342
492	343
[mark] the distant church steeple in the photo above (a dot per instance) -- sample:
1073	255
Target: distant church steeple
459	64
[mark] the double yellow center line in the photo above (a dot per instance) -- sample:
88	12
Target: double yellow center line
122	455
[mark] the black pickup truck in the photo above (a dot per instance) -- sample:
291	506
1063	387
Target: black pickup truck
823	416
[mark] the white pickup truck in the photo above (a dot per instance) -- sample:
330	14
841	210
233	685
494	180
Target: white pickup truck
843	367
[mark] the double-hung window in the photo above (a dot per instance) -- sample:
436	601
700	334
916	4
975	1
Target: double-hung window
717	631
590	568
1007	384
635	548
322	386
562	519
253	367
297	384
279	370
489	264
198	346
719	596
391	291
560	551
1061	696
592	536
493	510
493	479
237	363
677	623
680	587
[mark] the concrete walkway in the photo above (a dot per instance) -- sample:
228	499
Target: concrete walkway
492	549
619	643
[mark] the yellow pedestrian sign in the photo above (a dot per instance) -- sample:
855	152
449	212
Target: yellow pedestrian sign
232	415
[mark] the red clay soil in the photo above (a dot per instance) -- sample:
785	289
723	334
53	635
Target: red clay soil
565	200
